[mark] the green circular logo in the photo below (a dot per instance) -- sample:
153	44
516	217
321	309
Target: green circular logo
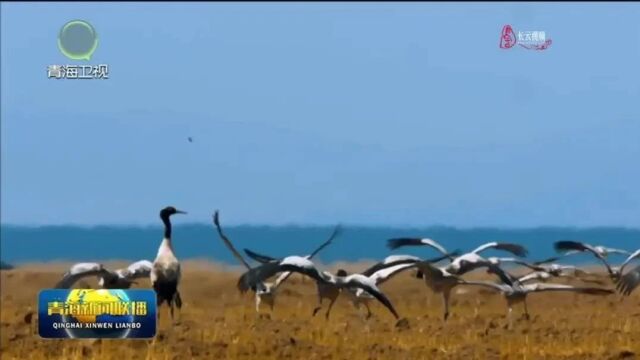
77	40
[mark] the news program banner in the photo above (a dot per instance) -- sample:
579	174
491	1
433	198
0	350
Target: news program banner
97	313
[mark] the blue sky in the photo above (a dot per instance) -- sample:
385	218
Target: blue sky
380	113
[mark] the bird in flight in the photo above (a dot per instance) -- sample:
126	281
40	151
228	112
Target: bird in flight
107	279
600	252
304	266
265	291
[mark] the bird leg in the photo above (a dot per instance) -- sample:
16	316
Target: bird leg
315	311
509	318
526	311
269	300
326	315
178	302
445	299
368	311
258	300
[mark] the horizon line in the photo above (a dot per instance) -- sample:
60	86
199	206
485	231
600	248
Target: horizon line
317	225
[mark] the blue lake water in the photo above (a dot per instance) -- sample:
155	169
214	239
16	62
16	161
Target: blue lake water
73	243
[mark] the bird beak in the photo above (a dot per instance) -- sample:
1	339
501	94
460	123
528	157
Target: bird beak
180	212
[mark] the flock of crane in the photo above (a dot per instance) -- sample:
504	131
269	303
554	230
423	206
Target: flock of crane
363	288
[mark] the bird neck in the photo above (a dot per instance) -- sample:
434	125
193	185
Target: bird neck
165	245
167	227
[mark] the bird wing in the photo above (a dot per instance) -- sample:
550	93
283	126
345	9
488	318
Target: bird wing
366	284
578	272
636	254
261	258
494	286
336	232
536	275
505	277
538	287
565	267
568	246
393	258
138	269
546	261
515	249
466	263
227	242
281	278
431	272
77	272
390	261
399	242
519	262
617	251
572	252
296	264
285	275
629	281
570	270
383	275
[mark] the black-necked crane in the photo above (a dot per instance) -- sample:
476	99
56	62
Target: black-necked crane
545	272
325	291
359	297
265	291
385	270
378	272
165	274
600	252
467	262
304	266
442	280
107	279
629	281
515	292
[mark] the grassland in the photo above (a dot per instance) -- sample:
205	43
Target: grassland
219	323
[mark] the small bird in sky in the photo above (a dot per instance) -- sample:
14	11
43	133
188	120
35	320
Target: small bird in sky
190	139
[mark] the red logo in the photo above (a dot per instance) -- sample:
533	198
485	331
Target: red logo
508	38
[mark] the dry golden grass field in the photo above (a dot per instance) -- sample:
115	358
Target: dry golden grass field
219	323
